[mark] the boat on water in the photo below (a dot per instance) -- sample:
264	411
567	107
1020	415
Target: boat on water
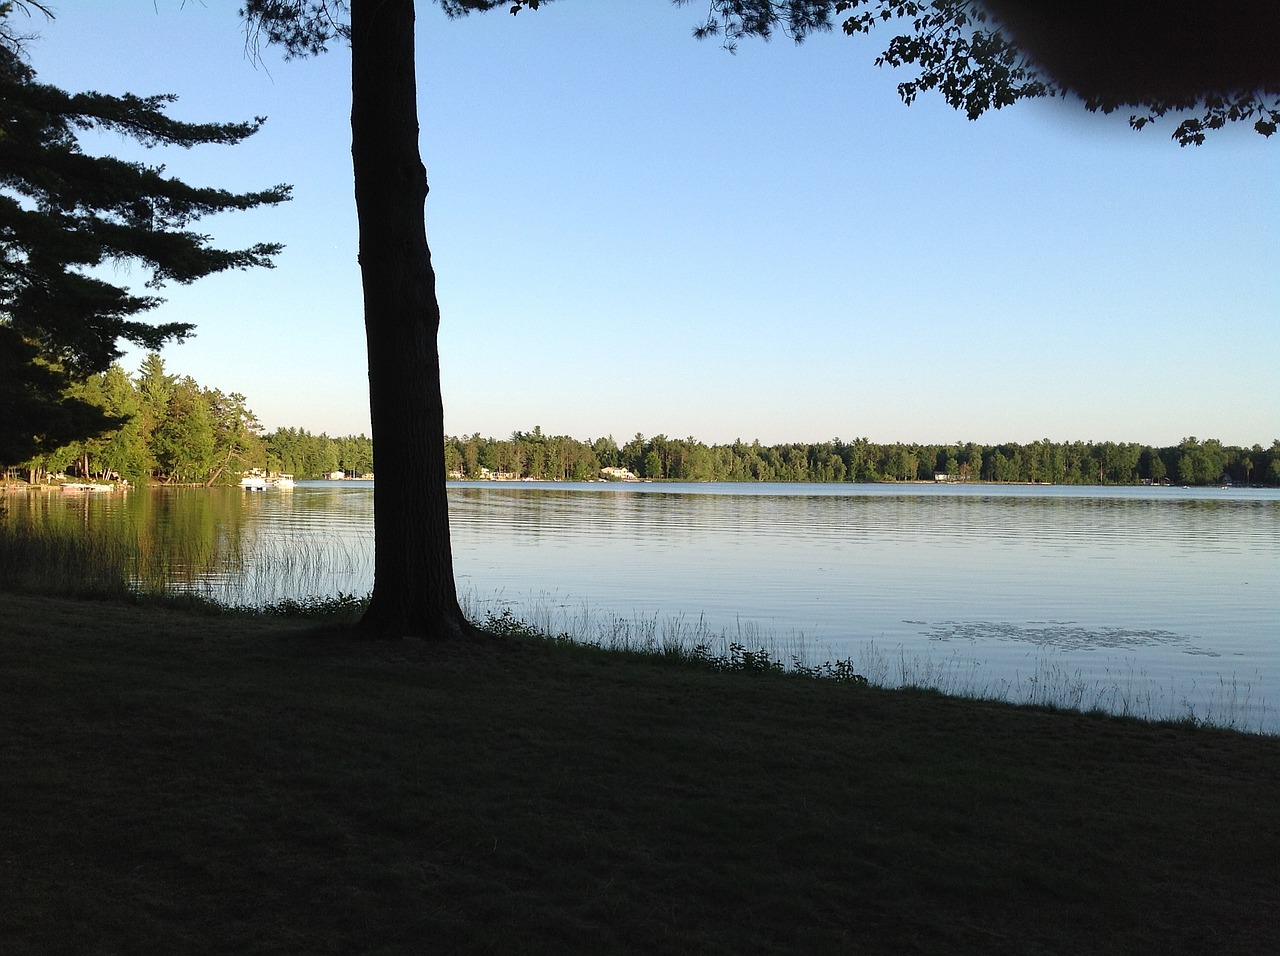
258	481
80	486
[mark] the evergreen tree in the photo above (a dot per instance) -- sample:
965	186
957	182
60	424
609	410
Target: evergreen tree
184	441
64	212
154	387
37	413
237	442
122	452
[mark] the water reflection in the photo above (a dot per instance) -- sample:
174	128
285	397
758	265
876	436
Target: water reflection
1099	582
1165	580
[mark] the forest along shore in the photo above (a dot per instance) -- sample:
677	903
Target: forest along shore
180	432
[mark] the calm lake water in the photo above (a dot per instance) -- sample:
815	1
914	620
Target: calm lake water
1155	601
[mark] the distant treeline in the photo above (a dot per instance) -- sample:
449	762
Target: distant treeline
175	431
297	452
559	457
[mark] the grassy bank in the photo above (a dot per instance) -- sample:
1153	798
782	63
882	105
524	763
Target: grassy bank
176	782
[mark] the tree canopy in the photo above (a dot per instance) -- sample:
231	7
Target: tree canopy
1214	61
65	213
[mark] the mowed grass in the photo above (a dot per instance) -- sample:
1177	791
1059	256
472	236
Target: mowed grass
181	783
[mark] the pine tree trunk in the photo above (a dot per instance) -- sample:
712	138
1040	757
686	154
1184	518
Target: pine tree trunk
413	590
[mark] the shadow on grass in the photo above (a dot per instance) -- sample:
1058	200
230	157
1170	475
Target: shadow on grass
238	783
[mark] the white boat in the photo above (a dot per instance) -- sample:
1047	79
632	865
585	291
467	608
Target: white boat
282	481
82	486
253	483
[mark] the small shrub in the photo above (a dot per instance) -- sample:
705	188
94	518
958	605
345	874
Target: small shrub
340	606
506	624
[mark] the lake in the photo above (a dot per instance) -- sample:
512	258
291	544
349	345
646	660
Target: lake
1146	600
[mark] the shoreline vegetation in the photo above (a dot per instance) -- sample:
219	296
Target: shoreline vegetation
535	457
64	482
60	559
178	432
51	551
180	777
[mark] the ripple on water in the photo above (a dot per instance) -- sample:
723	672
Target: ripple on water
1063	635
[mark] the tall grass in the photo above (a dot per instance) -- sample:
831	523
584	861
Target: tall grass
295	576
274	573
56	561
1230	703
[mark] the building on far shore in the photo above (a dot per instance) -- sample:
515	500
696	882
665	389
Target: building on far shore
618	474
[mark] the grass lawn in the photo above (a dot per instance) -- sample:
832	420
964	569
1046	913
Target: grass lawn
181	783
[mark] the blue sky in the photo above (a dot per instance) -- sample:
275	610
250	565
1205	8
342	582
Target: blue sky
638	232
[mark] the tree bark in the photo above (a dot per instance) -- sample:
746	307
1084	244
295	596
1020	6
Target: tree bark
413	591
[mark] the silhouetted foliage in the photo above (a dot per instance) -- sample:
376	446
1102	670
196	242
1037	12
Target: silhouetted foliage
63	213
1214	60
164	428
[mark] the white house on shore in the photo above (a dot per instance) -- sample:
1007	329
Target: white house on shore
618	474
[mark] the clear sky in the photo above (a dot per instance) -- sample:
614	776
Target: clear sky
638	232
